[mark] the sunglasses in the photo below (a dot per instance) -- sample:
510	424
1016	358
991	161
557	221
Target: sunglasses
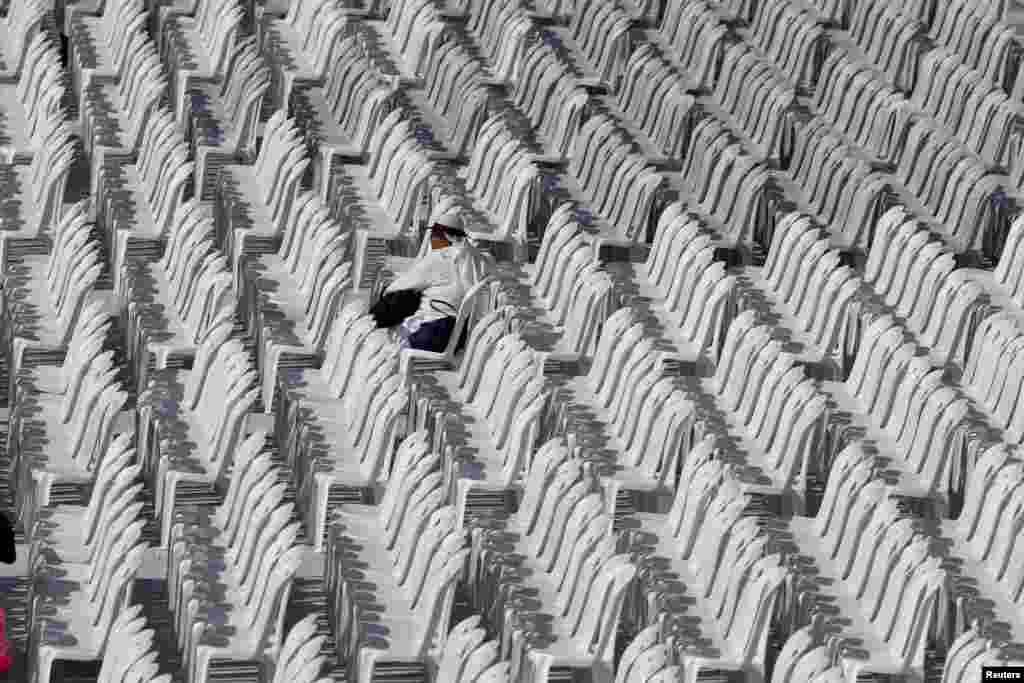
443	232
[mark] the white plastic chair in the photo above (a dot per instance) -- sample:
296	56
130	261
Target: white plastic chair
33	105
258	202
191	286
223	114
200	48
88	616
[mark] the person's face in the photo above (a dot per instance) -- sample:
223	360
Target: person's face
438	240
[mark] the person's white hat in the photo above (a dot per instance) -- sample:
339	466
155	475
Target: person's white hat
451	219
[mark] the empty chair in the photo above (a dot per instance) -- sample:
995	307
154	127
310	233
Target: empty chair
897	402
456	98
720	558
809	294
68	444
984	540
192	445
46	295
802	645
414	578
87	613
500	388
627	414
686	294
823	159
37	192
462	643
882	36
134	655
619	187
139	202
654	103
72	531
584	639
432	70
256	203
57	371
598	41
971	651
172	303
860	107
980	115
33	104
792	37
351	449
578	602
101	43
861	540
291	296
115	114
545	91
340	116
729	189
301	45
753	101
982	40
990	376
218	531
572	295
353	351
258	590
1005	283
200	48
913	275
298	658
772	461
25	19
223	115
695	38
645	655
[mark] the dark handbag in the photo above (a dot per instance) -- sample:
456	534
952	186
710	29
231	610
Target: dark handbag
394	307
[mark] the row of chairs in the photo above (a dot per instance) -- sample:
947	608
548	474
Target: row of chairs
227	318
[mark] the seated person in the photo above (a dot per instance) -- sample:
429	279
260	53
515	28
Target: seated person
443	277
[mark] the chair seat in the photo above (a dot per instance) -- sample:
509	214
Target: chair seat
309	104
358	522
882	444
45	379
998	601
799	341
655	154
7	69
97	55
999	295
20	210
15	145
110	124
242	183
140	219
191	46
839	594
280	39
354	196
213	117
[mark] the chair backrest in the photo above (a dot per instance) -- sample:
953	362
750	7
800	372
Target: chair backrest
463	639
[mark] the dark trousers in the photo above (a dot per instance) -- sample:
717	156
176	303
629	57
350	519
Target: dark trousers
434	335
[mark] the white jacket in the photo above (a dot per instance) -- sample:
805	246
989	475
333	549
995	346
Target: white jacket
444	276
